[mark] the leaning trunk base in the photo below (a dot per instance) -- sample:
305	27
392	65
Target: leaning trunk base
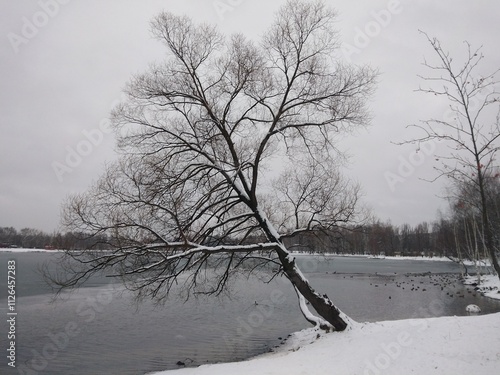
330	316
315	320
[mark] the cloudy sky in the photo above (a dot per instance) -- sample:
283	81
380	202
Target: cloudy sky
63	64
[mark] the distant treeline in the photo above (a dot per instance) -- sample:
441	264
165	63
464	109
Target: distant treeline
441	238
457	237
36	239
437	239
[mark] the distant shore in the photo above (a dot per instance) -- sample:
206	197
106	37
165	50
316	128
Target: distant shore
23	250
484	262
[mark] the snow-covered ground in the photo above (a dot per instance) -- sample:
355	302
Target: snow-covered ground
489	287
447	345
435	259
21	250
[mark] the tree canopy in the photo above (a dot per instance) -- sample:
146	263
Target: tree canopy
197	195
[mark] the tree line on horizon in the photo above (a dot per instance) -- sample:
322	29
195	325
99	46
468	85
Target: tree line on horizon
456	234
451	236
30	238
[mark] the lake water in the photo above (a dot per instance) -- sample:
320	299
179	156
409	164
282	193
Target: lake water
100	330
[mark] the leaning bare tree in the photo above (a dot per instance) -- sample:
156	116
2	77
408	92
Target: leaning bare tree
202	136
470	129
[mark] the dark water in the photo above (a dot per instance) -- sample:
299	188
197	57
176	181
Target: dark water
100	330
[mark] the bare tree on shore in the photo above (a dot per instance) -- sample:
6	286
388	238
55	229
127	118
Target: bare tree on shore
470	129
191	201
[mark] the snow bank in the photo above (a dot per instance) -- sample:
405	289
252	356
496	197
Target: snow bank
490	285
475	309
478	263
434	259
447	345
21	250
482	263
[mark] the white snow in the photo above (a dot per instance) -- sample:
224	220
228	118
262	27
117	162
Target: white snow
307	314
482	262
473	309
489	287
478	263
436	259
446	345
21	250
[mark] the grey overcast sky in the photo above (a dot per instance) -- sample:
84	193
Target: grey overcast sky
63	63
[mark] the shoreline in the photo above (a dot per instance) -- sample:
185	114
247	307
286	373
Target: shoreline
24	250
451	344
378	332
483	262
489	287
444	345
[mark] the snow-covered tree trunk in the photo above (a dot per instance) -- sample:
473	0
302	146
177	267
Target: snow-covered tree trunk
330	316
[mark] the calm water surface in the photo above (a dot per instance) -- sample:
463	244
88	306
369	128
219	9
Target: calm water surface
100	330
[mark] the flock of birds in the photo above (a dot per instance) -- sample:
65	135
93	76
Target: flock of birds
448	283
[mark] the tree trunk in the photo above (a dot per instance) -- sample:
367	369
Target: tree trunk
489	242
490	245
322	304
330	314
494	260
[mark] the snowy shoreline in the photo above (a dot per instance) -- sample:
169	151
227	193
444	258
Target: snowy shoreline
489	287
445	345
23	250
381	257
